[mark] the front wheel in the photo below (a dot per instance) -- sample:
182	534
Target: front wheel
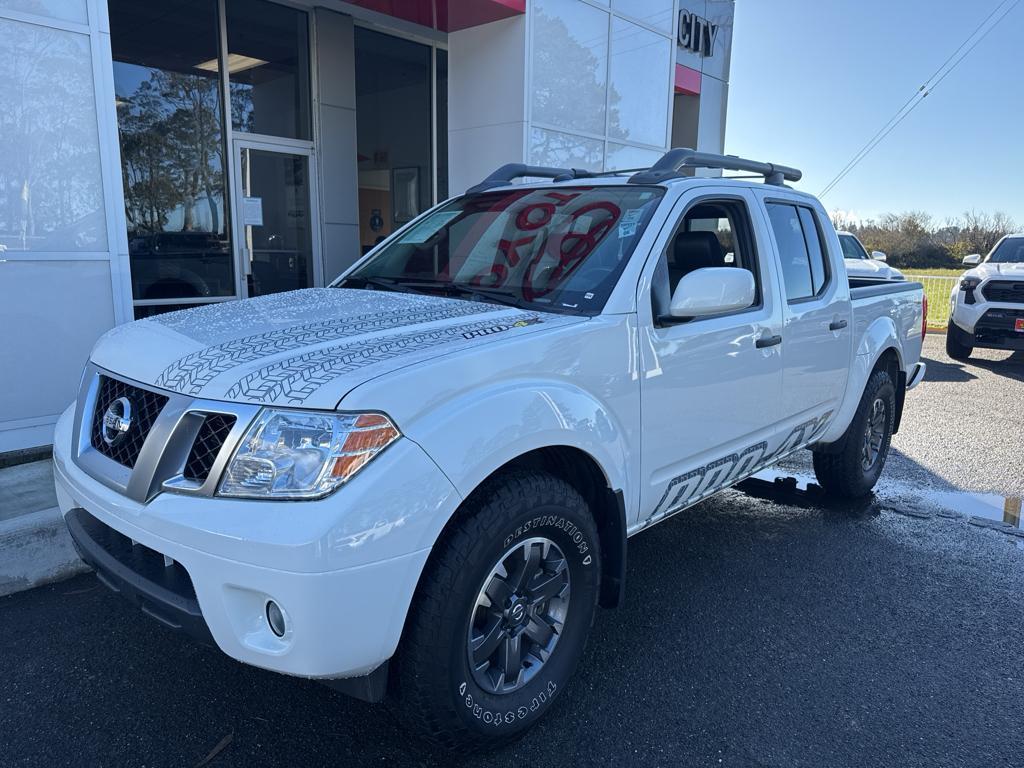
502	613
954	348
852	472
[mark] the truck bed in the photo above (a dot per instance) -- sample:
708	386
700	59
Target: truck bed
866	287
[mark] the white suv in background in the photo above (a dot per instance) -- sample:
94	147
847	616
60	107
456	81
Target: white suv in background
859	264
987	305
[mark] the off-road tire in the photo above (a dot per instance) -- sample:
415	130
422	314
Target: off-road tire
954	348
433	688
843	474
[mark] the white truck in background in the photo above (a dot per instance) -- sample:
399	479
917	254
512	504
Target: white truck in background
860	265
418	483
987	302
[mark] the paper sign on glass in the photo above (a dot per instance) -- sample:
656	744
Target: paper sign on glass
252	211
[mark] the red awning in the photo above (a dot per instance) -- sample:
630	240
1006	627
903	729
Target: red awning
446	15
687	80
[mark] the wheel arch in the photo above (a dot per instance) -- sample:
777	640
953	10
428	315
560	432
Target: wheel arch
585	474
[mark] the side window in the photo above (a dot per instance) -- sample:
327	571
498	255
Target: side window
804	267
712	233
851	248
816	249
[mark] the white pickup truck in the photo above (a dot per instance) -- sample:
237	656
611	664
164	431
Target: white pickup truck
987	304
417	483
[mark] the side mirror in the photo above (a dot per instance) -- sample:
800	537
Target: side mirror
879	256
973	260
711	291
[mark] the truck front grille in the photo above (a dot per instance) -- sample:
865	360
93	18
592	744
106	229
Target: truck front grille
145	408
207	446
1005	291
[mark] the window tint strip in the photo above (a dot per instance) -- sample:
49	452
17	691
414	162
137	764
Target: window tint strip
814	248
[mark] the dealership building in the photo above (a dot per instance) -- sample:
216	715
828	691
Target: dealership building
162	154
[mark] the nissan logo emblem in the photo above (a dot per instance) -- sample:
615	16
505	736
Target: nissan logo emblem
117	420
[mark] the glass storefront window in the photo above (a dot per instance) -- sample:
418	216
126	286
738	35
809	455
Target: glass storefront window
570	54
65	10
393	132
172	148
268	69
640	81
442	123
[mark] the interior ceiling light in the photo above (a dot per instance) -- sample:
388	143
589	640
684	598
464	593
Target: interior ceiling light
236	63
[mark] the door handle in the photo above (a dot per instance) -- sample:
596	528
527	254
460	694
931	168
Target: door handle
836	325
768	341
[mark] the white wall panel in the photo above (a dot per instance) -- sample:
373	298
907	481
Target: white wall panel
51	313
63	274
486	100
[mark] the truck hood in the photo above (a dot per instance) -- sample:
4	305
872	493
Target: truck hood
870	268
304	348
1009	271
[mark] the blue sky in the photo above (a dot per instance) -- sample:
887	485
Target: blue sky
813	80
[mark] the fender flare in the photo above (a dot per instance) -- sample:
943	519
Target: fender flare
877	340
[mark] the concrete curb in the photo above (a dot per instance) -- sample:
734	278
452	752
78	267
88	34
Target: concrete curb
36	549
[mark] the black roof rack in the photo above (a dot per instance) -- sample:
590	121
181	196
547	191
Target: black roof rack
506	173
668	167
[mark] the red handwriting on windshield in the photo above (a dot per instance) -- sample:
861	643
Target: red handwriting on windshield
563	248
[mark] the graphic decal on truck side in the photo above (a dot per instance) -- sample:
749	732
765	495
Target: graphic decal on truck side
192	373
693	486
296	378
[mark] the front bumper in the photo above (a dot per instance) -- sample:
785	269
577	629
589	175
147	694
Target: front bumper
341	622
990	327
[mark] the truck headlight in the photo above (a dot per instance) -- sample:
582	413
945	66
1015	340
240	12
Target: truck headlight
303	455
969	283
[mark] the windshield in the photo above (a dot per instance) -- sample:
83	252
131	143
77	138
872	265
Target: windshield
852	249
556	250
1010	251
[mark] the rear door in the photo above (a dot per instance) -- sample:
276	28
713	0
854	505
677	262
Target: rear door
817	333
708	391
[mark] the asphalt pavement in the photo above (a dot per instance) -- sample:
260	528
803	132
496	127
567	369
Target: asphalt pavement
763	628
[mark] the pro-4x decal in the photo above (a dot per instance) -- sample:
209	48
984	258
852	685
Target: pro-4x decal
697	484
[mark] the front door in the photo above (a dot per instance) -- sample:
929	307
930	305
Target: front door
275	214
710	387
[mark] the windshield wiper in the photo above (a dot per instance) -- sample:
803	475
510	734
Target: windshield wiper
384	283
491	294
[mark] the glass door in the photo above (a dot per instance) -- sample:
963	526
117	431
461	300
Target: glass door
276	217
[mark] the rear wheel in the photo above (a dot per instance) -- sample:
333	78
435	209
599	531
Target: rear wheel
954	348
502	613
854	470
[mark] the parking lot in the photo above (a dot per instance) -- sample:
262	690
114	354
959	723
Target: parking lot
761	629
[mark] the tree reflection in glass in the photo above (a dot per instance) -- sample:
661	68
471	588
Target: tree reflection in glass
170	121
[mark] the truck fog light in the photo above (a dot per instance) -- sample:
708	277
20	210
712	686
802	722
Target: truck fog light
275	618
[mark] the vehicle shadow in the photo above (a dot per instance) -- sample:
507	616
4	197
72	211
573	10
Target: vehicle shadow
947	370
1011	367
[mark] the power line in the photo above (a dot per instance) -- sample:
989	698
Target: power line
922	92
